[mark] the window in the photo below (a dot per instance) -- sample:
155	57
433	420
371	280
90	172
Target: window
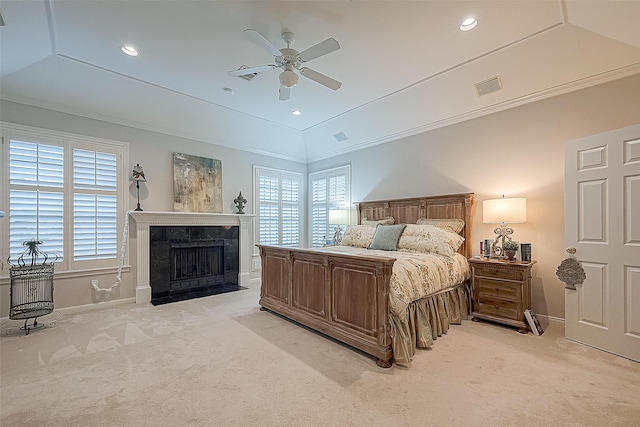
279	206
65	193
328	189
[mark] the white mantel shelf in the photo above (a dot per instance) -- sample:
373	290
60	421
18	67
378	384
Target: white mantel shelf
146	219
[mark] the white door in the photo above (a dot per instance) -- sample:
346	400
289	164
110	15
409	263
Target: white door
602	221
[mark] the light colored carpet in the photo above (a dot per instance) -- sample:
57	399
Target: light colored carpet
219	361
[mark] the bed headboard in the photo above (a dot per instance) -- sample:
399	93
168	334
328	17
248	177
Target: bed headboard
408	211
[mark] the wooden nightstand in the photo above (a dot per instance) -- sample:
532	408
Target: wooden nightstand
501	291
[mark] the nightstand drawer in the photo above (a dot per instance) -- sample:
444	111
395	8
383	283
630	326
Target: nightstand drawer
495	288
500	273
498	308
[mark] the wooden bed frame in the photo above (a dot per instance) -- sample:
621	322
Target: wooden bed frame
344	296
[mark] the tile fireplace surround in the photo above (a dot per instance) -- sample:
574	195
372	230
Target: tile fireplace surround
144	220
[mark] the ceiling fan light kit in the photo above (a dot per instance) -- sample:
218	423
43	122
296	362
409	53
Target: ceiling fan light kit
288	77
290	60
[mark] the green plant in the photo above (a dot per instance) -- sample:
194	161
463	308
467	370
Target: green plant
510	245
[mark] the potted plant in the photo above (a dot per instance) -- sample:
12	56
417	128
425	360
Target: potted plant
510	248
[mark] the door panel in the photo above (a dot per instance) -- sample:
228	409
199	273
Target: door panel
593	298
602	221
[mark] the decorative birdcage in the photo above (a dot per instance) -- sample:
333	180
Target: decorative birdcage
31	285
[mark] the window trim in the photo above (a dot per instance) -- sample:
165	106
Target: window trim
69	267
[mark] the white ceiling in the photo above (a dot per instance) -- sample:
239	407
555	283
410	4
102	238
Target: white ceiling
405	67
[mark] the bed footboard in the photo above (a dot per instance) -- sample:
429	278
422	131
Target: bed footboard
343	296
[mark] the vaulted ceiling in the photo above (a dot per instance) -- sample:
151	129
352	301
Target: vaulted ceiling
405	66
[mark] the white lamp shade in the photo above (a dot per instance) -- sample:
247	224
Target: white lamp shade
338	216
138	174
507	210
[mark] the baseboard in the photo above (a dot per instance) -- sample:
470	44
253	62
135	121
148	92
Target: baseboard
81	308
552	318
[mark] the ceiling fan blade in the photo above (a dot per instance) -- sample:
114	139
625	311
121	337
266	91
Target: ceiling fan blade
320	78
258	38
285	93
322	48
252	70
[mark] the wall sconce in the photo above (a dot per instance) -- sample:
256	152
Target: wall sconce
338	217
138	176
503	211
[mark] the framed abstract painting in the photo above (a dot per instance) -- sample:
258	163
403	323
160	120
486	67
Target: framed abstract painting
197	184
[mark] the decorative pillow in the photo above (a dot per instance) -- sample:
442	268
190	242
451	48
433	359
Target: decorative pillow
374	222
386	237
453	225
429	239
358	236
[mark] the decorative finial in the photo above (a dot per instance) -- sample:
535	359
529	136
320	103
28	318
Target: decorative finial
240	201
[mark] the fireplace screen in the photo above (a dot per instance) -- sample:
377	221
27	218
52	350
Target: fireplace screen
202	262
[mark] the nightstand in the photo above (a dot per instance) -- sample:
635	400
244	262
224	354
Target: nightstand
501	291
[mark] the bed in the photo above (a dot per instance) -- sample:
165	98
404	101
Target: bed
353	294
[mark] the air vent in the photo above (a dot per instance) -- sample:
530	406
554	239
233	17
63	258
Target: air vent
340	137
488	86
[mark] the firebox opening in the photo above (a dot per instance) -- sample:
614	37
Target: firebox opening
191	262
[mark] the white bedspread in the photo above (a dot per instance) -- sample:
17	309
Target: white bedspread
415	275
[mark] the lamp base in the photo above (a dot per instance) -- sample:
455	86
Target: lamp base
337	235
503	233
138	190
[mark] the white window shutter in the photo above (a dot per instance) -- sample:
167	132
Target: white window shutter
279	207
328	189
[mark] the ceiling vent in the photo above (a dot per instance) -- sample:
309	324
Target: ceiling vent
249	76
340	137
488	86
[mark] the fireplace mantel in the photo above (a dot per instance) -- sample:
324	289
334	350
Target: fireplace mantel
145	219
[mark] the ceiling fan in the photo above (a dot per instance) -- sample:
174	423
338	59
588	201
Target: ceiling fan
290	60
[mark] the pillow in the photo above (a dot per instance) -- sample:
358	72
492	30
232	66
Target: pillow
453	225
374	222
386	237
429	239
358	236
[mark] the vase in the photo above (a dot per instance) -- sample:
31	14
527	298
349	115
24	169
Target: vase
510	255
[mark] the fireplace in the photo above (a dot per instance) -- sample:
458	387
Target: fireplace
146	220
192	261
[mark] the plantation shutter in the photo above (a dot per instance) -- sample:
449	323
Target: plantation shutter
279	207
36	199
327	190
94	205
290	212
269	190
319	212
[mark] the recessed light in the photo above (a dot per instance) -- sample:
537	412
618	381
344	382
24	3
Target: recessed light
468	24
296	112
130	50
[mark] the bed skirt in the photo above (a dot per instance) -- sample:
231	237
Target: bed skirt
428	318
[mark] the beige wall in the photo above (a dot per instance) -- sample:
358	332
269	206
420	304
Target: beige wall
518	152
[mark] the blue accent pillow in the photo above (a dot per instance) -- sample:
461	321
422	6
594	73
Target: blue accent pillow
386	237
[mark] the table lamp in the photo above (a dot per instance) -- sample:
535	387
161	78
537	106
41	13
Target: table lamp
503	211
